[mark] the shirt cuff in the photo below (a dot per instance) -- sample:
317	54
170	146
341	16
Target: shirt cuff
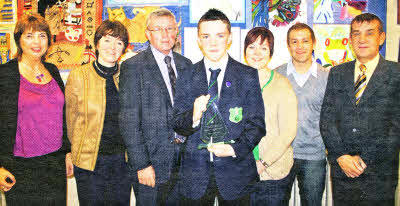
195	124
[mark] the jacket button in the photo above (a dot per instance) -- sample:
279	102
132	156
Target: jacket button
354	130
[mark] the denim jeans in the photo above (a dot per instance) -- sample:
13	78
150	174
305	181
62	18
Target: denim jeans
271	192
311	177
109	184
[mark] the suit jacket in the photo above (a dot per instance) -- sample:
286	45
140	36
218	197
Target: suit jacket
9	92
240	88
370	129
146	113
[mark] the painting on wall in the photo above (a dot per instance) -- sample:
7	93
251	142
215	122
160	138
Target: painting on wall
27	7
333	46
5	47
72	24
134	19
235	10
8	12
283	12
337	11
143	2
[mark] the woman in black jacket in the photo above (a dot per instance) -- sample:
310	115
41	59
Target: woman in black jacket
33	139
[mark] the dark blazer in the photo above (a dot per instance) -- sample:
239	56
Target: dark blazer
371	129
146	113
9	92
240	88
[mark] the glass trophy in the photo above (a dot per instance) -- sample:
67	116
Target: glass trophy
213	129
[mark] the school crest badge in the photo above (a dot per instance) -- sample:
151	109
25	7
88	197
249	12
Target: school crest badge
236	114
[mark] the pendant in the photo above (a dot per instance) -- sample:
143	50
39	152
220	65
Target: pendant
40	77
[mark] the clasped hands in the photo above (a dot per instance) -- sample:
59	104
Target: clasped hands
352	166
199	107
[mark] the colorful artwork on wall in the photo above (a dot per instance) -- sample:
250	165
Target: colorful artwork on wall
143	2
134	19
286	12
8	11
235	10
73	24
333	46
5	47
27	7
337	11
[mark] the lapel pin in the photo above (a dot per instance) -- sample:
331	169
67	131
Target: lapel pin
228	84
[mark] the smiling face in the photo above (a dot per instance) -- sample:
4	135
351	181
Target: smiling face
161	33
110	49
258	54
33	44
214	39
301	46
365	39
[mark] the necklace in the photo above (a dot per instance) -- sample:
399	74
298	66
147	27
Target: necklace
105	73
37	74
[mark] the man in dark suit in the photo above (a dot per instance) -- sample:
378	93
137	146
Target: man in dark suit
222	170
147	87
360	119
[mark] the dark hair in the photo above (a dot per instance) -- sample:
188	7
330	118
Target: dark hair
214	15
113	28
262	32
300	26
366	17
33	22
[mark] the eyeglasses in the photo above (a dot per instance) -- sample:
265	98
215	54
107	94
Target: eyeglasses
159	29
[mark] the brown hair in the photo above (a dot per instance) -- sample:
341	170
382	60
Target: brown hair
300	26
33	22
114	29
214	15
264	34
366	17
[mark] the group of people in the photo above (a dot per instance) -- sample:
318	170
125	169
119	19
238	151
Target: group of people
143	123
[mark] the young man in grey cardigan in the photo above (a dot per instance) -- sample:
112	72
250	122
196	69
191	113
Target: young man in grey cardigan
308	80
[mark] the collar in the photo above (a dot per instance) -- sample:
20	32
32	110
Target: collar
158	55
371	64
221	64
292	70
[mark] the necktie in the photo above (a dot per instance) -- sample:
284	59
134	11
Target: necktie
171	74
361	83
213	85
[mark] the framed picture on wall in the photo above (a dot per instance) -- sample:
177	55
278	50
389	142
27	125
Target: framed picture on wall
235	10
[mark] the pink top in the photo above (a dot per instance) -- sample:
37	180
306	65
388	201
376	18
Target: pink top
40	119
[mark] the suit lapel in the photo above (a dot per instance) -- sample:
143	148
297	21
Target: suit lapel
228	77
202	77
348	81
378	79
156	73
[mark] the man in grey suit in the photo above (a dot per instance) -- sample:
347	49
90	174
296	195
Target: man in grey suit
360	119
147	88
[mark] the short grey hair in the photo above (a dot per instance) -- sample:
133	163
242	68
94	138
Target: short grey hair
159	13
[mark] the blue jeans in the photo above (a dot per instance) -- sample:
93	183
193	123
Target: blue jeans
271	192
311	177
108	184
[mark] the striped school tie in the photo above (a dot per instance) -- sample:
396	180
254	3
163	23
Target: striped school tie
361	83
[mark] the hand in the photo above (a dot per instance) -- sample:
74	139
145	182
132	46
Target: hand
221	150
352	166
69	167
260	167
147	176
200	106
4	185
